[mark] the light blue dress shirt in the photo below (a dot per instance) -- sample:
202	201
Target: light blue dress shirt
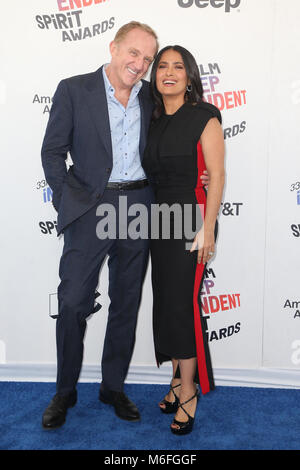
125	124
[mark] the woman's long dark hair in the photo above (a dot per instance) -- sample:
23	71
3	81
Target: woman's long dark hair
192	71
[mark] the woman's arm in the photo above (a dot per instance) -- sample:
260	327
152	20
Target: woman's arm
212	142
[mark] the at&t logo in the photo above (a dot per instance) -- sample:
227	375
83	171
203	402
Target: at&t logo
228	4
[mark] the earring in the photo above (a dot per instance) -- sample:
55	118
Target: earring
189	88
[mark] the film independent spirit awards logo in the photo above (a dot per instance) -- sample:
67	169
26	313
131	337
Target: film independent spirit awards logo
213	303
69	18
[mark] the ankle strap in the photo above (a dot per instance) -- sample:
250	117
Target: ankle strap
174	386
187	401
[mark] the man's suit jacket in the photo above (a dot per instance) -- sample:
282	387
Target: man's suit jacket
79	124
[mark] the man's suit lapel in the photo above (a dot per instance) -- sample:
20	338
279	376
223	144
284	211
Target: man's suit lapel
146	110
97	104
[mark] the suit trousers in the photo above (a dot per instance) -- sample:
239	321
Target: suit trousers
82	258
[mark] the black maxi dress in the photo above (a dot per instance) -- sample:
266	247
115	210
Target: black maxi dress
173	161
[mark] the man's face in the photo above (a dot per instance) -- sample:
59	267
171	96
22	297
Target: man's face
131	58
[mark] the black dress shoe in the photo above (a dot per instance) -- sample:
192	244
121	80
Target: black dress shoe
124	408
55	414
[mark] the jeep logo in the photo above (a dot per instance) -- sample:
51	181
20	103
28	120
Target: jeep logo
213	3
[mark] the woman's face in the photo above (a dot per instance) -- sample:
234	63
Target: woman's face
171	77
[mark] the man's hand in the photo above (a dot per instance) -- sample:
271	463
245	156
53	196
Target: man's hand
205	179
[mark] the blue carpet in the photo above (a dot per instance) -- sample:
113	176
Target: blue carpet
228	418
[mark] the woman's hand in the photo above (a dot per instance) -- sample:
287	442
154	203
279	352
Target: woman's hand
204	241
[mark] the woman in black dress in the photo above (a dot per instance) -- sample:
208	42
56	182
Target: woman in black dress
185	138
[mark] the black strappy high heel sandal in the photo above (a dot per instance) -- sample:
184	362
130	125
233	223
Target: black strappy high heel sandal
170	407
185	427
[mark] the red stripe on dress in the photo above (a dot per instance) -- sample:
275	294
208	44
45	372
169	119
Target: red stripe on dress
201	357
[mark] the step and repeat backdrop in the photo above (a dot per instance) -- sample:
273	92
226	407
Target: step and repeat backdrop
247	51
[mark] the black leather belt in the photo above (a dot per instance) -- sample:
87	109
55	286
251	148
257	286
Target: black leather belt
128	185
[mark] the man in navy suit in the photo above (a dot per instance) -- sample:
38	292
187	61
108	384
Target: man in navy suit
102	119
